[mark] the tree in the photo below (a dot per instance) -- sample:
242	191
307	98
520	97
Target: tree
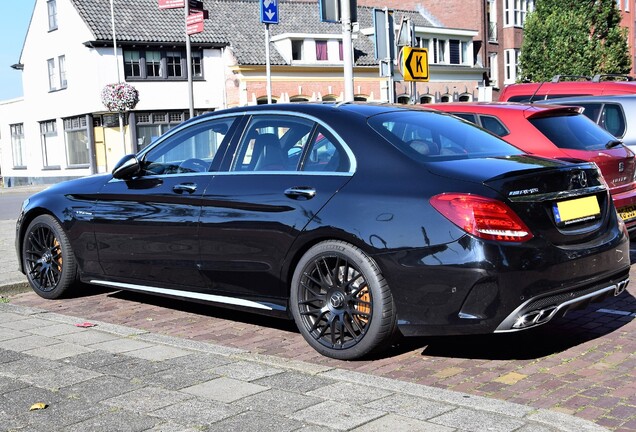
573	37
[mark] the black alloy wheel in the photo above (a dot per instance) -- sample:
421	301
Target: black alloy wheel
48	260
340	301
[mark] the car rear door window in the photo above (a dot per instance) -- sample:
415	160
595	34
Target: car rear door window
590	110
325	154
272	143
494	125
467	116
613	120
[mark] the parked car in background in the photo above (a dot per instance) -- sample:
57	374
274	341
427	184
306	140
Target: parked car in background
616	114
357	221
559	132
560	87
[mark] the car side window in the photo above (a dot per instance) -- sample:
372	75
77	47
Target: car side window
590	110
613	120
325	154
188	150
494	125
466	116
272	143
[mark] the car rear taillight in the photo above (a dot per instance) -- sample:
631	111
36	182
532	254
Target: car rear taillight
483	217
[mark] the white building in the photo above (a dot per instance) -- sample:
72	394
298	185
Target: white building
60	129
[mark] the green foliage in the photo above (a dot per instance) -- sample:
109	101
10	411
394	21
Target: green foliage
573	37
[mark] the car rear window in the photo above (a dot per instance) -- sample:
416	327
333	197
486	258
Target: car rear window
574	131
430	136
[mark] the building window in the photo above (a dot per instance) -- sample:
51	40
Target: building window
151	125
57	73
61	60
262	100
48	136
173	63
458	51
160	65
132	65
197	64
492	20
321	50
153	64
515	12
511	65
439	50
493	66
297	49
51	7
17	145
52	74
76	130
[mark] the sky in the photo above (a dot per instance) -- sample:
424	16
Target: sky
14	22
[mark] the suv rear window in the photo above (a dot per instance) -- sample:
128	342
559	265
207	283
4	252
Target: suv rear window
574	131
429	136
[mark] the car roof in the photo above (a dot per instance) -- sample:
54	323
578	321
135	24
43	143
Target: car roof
567	89
366	109
599	98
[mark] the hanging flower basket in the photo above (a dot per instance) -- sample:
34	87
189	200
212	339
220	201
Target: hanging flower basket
120	97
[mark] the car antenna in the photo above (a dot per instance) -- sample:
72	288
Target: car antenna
530	101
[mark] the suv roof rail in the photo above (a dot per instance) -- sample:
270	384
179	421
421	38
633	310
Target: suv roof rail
559	78
612	77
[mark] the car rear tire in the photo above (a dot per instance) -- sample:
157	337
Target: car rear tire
48	259
340	301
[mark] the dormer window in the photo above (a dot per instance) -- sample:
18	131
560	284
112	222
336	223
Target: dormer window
307	49
321	50
297	50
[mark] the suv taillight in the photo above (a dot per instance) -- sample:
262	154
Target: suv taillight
482	217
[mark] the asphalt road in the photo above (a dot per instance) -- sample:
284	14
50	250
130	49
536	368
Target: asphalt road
11	200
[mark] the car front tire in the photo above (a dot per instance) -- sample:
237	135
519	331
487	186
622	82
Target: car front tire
340	301
48	259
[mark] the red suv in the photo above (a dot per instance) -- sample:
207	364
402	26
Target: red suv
559	132
586	86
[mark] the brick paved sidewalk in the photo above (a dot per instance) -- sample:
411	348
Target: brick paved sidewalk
112	378
583	364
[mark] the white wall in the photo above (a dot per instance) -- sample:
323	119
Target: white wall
88	70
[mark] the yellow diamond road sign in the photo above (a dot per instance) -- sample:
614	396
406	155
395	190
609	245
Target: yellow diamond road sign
415	64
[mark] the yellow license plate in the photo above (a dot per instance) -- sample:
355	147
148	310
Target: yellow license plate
627	213
576	210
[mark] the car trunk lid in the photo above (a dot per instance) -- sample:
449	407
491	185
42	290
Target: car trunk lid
561	202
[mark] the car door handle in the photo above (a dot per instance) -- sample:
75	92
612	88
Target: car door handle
185	187
301	192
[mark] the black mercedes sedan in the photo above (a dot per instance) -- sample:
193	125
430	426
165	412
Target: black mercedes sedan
358	221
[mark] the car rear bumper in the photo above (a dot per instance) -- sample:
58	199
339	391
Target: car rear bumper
474	287
541	310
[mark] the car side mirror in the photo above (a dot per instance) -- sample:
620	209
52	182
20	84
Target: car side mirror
127	168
